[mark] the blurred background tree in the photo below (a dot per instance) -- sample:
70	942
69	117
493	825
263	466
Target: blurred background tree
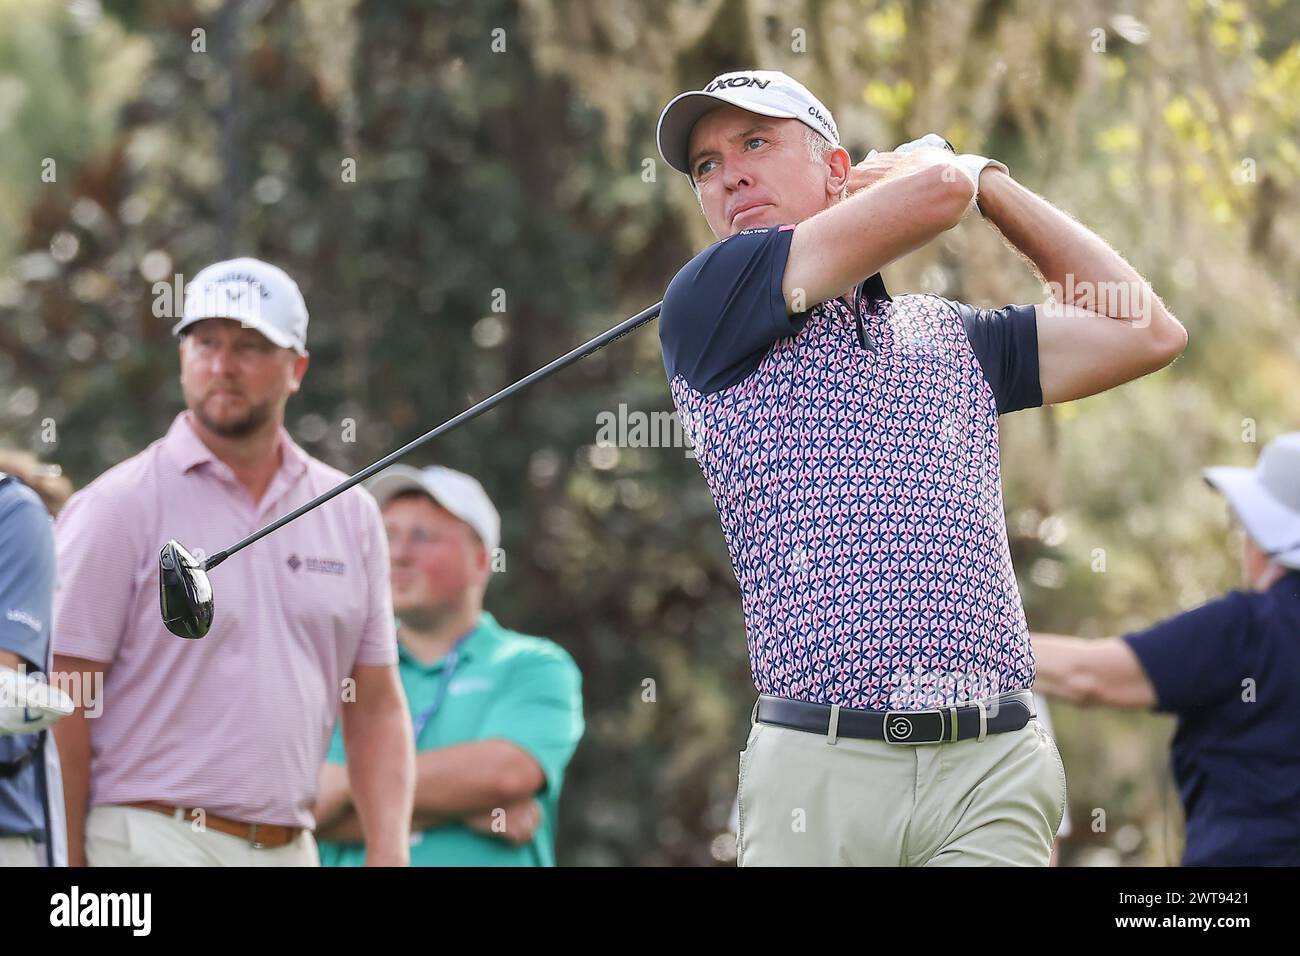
465	190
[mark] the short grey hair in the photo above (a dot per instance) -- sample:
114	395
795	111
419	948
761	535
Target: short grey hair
818	148
818	145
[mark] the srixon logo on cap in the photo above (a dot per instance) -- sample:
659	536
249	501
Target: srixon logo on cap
737	81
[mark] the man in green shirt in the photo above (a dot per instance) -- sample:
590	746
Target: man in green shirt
496	714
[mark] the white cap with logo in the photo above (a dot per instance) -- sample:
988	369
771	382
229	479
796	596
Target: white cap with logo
1266	498
456	491
765	92
257	294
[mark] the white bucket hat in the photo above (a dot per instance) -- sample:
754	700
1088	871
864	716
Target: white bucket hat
1266	498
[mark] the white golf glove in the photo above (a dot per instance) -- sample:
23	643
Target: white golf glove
969	163
28	704
929	139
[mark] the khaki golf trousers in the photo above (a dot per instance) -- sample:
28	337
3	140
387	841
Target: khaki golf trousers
18	851
130	836
808	801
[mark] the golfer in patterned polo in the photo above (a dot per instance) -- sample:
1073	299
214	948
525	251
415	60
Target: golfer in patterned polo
850	441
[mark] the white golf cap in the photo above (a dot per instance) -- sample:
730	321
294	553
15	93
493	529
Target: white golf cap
1266	498
456	491
259	295
765	92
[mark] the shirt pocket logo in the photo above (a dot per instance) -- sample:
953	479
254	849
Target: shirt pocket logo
316	565
468	685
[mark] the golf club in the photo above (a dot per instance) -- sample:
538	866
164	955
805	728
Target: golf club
184	591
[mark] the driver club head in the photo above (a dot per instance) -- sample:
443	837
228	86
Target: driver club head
184	592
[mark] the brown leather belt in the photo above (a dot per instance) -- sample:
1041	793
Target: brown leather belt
258	835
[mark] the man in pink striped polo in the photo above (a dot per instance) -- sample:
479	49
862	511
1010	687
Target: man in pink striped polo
207	752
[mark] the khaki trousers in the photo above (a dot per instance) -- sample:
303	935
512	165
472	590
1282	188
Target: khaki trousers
19	851
805	801
130	836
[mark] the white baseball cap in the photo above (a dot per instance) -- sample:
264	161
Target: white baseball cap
456	491
1266	498
261	296
765	92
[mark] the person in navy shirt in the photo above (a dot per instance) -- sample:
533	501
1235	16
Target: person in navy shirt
850	442
1229	670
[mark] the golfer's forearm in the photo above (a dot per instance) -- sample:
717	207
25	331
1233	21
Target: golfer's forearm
343	828
1077	263
328	811
1057	666
1090	671
381	771
842	245
334	801
336	817
347	828
470	778
72	737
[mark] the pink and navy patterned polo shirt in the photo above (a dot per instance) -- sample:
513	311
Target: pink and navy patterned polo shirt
853	458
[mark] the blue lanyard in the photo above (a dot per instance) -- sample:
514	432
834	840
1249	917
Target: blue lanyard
452	661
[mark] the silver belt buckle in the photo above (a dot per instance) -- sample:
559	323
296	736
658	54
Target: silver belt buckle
253	841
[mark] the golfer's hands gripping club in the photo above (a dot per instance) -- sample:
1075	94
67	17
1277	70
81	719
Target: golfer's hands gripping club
877	165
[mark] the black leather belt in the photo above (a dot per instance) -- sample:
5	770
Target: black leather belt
995	715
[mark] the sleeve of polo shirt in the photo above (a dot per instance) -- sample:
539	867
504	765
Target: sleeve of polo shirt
1006	343
26	574
1199	657
540	710
724	309
379	637
96	544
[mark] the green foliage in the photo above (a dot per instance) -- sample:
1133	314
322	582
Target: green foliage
483	175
